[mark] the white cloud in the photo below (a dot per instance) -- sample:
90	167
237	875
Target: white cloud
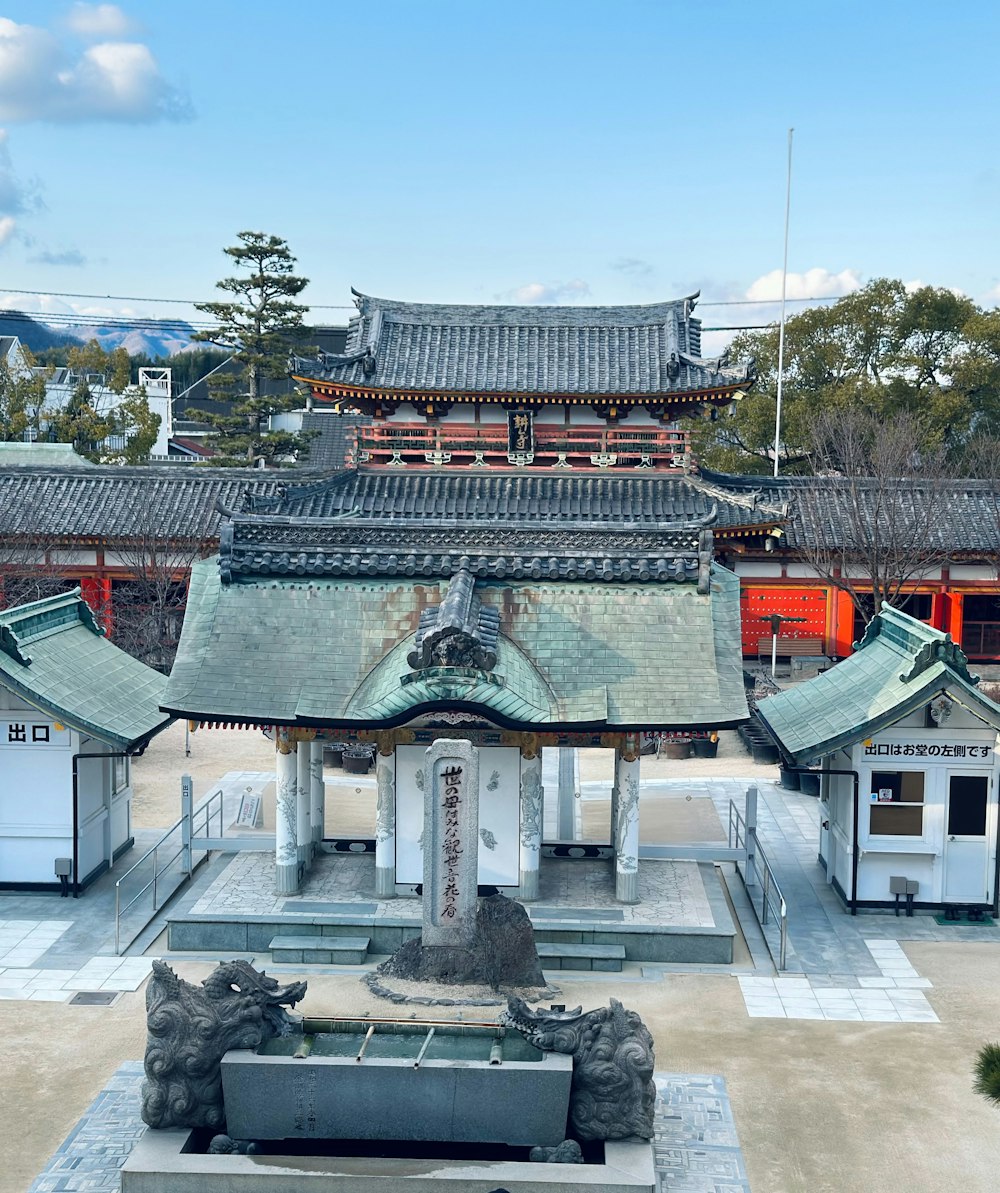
814	283
95	22
634	266
41	78
918	284
35	304
539	293
17	197
63	257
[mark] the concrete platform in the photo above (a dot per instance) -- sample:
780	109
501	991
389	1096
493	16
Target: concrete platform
683	916
160	1163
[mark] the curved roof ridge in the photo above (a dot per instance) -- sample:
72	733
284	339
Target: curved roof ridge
627	314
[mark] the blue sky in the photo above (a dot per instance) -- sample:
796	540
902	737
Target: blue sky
561	150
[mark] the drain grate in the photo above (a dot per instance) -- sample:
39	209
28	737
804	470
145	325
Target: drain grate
94	998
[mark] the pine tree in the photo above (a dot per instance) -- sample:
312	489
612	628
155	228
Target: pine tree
259	325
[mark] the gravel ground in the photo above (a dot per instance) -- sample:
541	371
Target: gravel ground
156	776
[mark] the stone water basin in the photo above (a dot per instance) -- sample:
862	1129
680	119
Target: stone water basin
398	1080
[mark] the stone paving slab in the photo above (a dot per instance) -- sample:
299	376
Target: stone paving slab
90	1156
27	975
695	1147
672	894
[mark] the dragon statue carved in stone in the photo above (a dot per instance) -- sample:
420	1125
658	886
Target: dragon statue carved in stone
189	1030
612	1095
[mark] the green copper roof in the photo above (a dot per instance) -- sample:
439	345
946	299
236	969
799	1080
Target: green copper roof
42	455
53	655
898	666
568	653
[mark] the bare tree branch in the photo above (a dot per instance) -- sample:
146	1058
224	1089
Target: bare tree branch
873	516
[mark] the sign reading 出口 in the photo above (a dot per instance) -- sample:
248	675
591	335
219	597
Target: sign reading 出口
33	733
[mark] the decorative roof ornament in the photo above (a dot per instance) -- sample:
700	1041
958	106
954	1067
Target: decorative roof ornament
459	632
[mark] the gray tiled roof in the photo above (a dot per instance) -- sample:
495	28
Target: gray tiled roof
966	512
108	503
525	496
53	655
898	667
261	546
431	347
334	438
334	651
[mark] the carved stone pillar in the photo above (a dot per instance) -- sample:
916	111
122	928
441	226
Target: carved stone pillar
286	861
317	816
531	823
626	823
385	823
303	800
614	802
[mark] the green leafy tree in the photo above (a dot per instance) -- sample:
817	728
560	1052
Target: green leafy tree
80	422
134	420
22	397
976	370
259	325
882	351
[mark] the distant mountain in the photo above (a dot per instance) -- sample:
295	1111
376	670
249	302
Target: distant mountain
148	340
154	339
34	334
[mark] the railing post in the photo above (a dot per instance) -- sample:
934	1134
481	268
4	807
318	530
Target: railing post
784	935
750	835
118	921
767	895
187	802
155	905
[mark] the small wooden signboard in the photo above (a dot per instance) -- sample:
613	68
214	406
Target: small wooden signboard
251	813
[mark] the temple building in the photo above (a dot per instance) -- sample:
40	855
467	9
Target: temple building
521	557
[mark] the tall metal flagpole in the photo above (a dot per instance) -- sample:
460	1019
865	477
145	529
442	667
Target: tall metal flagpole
781	329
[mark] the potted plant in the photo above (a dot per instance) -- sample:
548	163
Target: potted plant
677	747
706	747
357	758
333	754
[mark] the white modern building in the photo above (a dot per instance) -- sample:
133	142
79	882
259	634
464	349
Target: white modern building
73	711
905	744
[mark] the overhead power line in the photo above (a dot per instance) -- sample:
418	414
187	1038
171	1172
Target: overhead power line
187	302
140	324
325	306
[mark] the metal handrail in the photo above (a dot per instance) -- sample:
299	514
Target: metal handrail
152	852
159	871
771	897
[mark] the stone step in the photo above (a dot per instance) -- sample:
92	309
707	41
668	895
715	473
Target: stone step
606	958
320	950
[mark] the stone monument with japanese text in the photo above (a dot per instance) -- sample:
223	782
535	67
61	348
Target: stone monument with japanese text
464	939
451	844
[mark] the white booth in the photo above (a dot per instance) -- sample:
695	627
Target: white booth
73	710
906	747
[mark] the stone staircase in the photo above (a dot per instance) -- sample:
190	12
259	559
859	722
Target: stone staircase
319	950
607	958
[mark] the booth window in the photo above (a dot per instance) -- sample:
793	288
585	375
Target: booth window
898	807
120	773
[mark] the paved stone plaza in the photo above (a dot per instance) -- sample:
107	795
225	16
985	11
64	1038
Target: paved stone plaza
845	975
695	1147
672	893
